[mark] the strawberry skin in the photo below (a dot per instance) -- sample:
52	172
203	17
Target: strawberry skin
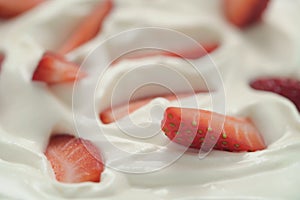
89	28
189	127
185	53
74	160
287	87
243	13
110	115
54	69
12	8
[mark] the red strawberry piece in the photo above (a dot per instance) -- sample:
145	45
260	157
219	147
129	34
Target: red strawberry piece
54	68
111	115
89	28
189	127
243	13
185	53
287	87
2	57
74	160
12	8
108	116
194	53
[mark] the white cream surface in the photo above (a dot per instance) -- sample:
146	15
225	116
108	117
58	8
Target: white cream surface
31	111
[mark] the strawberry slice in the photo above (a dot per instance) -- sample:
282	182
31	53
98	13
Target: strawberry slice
185	53
2	57
287	87
243	13
189	127
74	160
89	28
111	115
12	8
53	69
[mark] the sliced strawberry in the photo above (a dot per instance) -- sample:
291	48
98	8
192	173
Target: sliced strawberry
194	53
89	28
53	69
111	115
287	87
12	8
189	127
243	13
74	160
184	53
2	57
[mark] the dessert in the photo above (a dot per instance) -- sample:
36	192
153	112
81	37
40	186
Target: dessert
37	118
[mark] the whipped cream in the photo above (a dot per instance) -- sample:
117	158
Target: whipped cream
31	112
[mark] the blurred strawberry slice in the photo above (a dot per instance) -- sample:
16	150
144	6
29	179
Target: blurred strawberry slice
12	8
89	28
183	53
2	57
287	87
54	69
195	53
243	13
74	160
111	115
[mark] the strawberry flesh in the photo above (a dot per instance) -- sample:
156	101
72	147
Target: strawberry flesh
54	69
89	28
12	8
287	87
243	13
74	160
189	127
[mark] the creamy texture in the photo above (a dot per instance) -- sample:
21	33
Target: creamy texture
31	112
